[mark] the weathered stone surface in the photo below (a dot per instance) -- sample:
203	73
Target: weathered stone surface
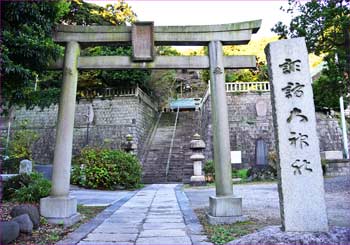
234	33
163	226
221	136
9	231
246	128
142	37
24	222
65	124
261	108
332	155
163	240
31	210
274	235
105	237
223	206
298	147
55	207
25	166
163	233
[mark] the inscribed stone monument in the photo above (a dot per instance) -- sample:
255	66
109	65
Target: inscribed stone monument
301	189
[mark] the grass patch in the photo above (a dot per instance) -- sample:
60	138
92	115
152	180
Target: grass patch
221	234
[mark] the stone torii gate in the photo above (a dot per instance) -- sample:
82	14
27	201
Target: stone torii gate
143	36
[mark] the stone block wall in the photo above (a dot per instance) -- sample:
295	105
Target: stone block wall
113	120
250	119
337	168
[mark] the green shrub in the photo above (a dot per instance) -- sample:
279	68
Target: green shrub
106	169
240	173
209	169
10	166
26	188
20	146
262	173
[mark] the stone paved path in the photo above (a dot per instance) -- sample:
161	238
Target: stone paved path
151	216
95	198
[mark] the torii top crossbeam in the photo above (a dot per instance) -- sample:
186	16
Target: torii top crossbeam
228	34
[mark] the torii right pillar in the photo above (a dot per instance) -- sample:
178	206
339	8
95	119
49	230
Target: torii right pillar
224	208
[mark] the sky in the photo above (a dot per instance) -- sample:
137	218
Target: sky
208	12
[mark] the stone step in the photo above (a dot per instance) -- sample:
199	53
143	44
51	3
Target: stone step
180	167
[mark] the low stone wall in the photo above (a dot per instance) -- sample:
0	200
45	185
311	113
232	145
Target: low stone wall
113	120
337	168
250	119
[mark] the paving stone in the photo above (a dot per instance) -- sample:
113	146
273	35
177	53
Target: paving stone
104	243
107	225
162	226
179	220
117	230
124	221
163	233
161	216
164	240
106	237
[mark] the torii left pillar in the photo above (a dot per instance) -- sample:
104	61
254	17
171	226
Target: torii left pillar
59	207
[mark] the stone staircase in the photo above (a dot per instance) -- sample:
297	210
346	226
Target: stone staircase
155	159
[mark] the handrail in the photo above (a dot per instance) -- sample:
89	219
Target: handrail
171	145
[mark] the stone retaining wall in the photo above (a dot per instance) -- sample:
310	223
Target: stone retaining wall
250	119
113	120
337	168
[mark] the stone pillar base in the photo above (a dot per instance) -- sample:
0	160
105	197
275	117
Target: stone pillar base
60	210
225	209
198	180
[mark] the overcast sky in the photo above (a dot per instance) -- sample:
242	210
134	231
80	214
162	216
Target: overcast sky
209	12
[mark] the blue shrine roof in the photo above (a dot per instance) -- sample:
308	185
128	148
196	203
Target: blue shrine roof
184	103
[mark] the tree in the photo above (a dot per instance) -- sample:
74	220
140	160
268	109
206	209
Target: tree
326	28
82	13
27	48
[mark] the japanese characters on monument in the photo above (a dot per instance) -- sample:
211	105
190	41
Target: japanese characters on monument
300	173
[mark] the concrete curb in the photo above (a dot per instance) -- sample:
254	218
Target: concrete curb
194	227
83	230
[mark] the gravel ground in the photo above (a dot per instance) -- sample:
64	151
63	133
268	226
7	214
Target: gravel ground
260	201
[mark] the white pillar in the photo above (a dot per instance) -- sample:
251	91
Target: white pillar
59	207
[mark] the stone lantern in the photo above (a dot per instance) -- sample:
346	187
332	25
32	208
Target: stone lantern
197	146
129	145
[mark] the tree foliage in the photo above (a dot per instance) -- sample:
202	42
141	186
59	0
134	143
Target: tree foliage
27	48
82	13
326	28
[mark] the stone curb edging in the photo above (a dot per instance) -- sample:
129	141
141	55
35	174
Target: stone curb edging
194	227
83	230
